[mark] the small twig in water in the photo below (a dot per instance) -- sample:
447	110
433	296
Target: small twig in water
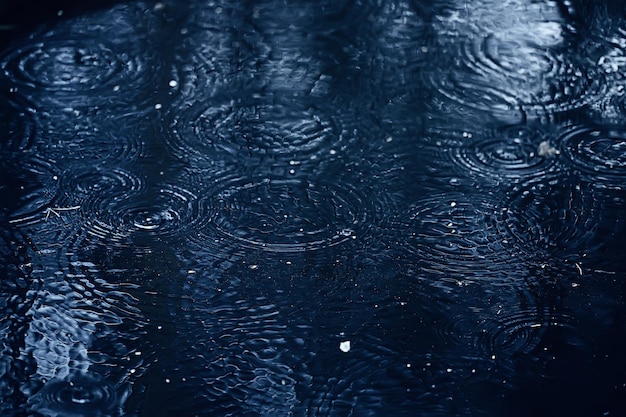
56	211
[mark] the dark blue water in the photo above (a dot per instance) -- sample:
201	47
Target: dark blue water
333	208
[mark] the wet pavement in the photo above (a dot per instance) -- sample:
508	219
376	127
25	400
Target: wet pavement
346	208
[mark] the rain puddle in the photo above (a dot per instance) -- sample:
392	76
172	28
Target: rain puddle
336	208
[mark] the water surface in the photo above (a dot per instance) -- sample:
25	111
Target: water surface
352	208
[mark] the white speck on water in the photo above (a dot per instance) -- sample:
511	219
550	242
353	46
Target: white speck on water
253	267
173	83
547	150
388	139
158	106
116	88
333	152
453	204
344	346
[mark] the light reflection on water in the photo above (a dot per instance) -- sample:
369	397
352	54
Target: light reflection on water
325	209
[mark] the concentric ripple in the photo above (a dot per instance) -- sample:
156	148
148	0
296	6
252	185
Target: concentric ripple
560	216
599	152
81	186
509	152
69	66
86	72
80	395
285	215
557	86
502	331
453	236
499	63
163	213
282	126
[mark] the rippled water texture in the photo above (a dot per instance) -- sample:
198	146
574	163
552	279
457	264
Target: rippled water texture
330	208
